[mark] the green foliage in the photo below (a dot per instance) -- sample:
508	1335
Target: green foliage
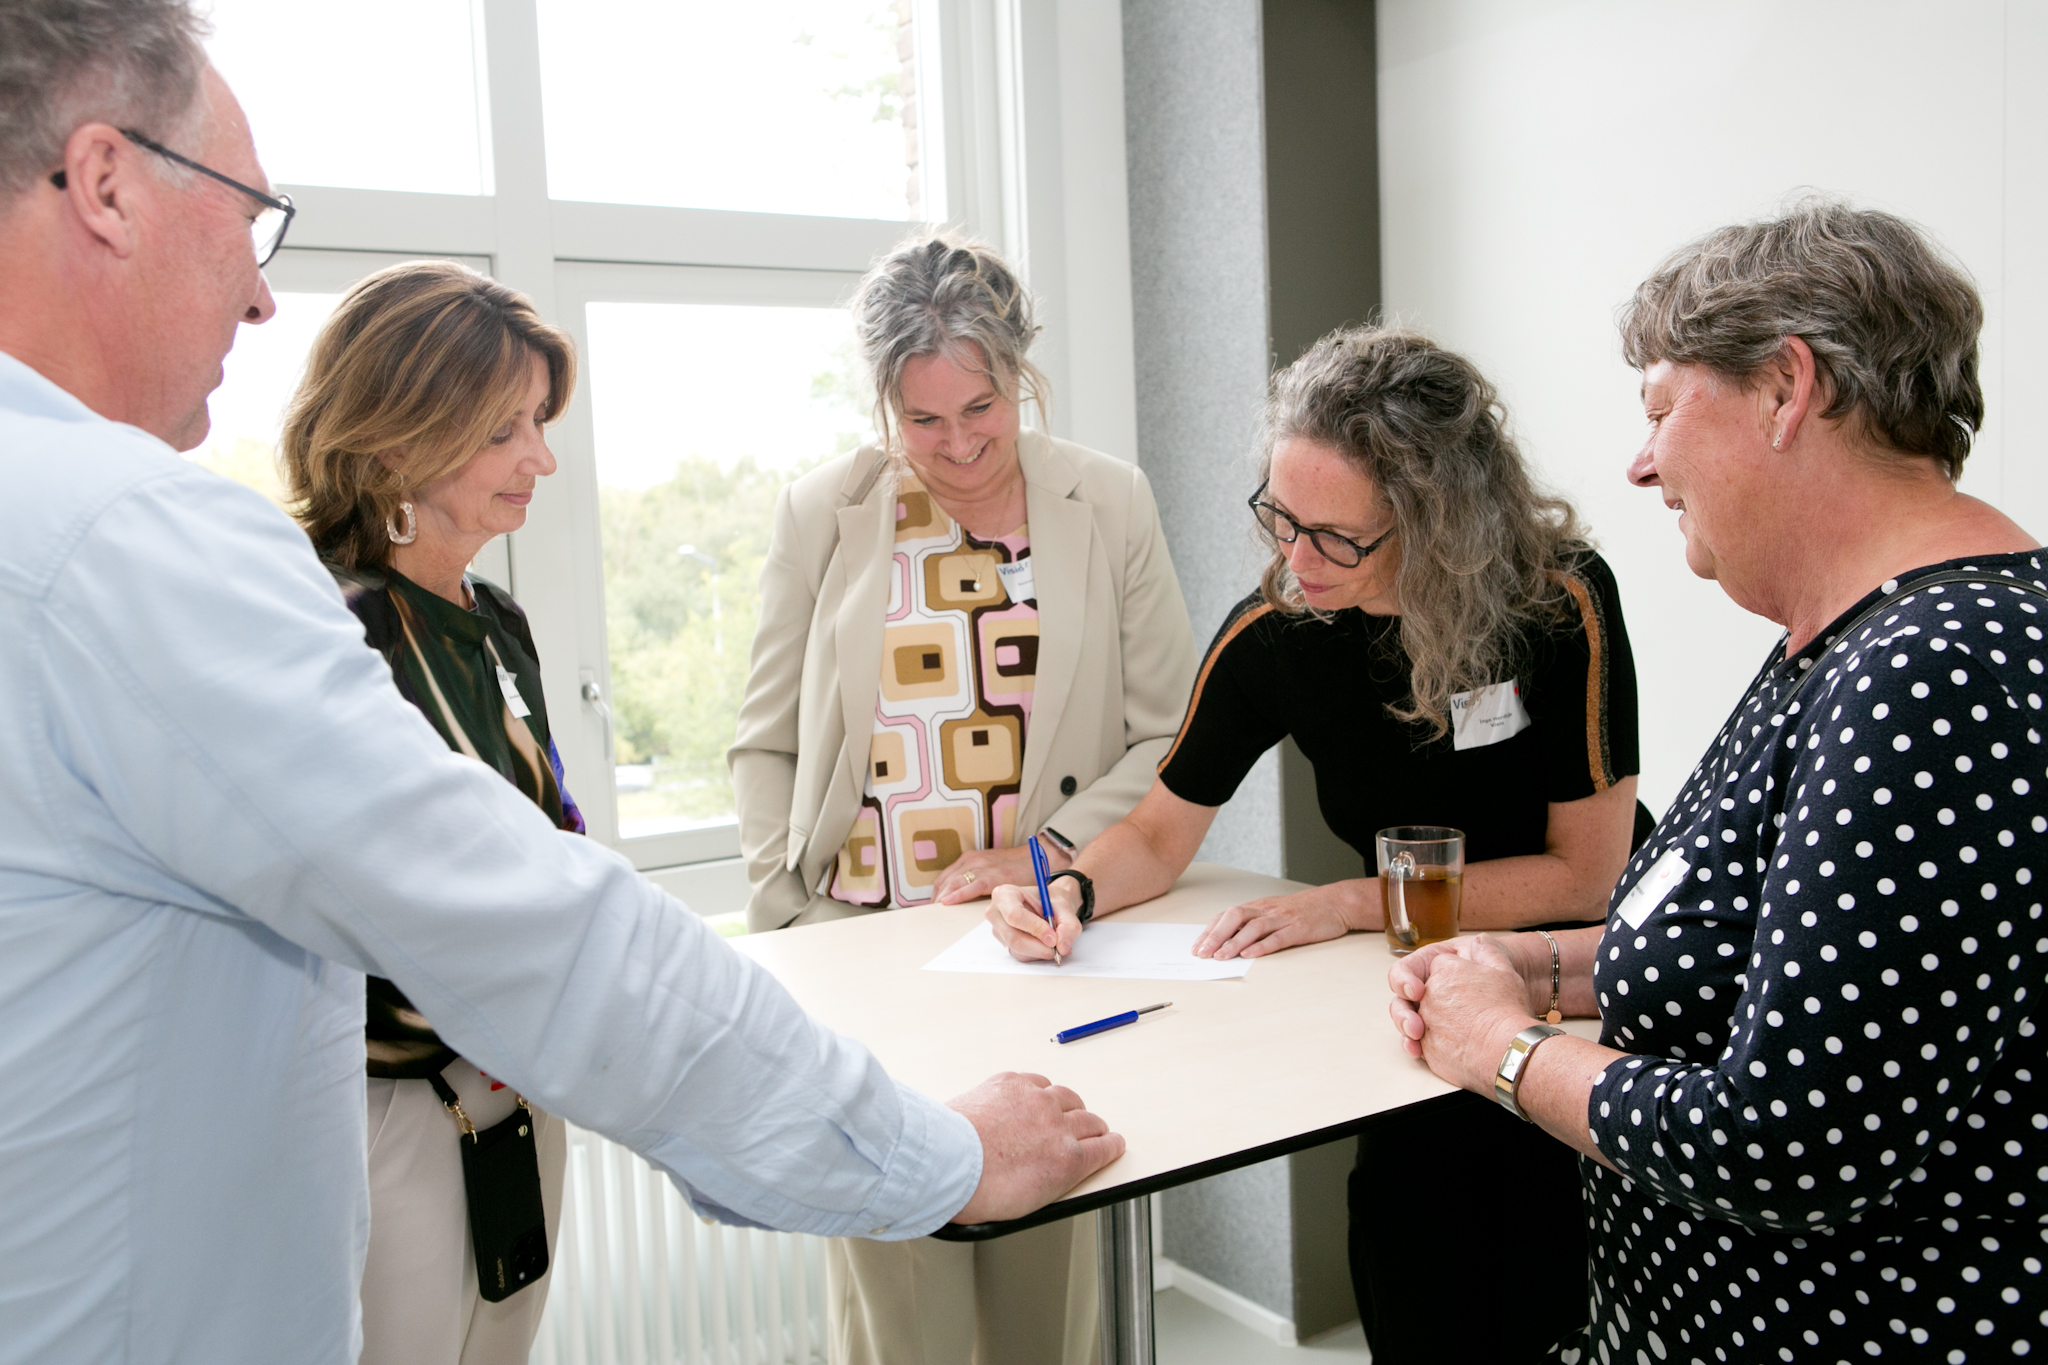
680	631
882	92
682	574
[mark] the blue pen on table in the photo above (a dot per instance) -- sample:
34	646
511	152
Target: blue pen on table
1045	898
1104	1025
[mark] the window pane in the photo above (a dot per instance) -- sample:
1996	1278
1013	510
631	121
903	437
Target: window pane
778	106
248	407
373	94
702	412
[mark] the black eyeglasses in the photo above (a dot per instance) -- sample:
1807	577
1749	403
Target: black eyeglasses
1342	551
266	231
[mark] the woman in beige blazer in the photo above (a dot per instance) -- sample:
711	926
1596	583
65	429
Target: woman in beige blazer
958	510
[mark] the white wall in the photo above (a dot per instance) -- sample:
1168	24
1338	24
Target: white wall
1539	157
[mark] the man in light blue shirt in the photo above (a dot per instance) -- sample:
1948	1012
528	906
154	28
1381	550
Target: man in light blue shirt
216	814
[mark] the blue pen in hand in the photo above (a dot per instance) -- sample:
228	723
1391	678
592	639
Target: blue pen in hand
1105	1025
1045	897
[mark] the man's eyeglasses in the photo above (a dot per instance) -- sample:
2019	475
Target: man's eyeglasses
267	230
1342	551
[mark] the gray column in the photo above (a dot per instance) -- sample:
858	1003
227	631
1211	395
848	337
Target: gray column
1193	91
1252	141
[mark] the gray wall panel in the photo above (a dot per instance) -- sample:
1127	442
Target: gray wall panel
1250	142
1233	1229
1192	115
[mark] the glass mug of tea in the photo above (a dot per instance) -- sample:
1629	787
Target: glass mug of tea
1422	881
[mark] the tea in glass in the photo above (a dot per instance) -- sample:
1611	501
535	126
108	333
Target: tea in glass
1422	882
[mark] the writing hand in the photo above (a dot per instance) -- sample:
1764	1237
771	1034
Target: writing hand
1022	929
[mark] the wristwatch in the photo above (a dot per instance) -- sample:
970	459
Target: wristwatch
1087	886
1508	1079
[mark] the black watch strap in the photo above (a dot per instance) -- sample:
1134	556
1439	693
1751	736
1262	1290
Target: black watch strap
1087	885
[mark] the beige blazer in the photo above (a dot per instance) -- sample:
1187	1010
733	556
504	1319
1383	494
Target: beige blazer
1116	660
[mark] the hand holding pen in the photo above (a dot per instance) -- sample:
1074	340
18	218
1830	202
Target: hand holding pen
1023	928
1044	895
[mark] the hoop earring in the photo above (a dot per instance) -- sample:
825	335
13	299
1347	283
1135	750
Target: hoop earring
412	526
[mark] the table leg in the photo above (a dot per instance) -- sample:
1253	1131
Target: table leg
1124	1233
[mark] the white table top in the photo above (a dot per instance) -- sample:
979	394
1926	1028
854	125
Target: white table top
1300	1046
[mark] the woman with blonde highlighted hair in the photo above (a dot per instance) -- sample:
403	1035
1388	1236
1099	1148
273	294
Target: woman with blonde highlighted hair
416	436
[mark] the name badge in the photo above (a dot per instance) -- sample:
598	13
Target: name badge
1017	581
509	685
1656	886
1488	715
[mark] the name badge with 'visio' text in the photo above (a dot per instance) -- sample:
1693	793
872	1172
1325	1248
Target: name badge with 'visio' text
1017	581
1488	715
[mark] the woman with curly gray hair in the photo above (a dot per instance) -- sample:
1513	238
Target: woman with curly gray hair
971	638
1812	1129
1435	634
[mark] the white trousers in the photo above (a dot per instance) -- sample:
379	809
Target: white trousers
1026	1299
420	1300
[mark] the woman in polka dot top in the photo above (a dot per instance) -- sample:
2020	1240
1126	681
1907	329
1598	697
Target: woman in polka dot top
1815	1127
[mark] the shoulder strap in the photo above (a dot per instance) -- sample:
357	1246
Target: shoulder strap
1932	580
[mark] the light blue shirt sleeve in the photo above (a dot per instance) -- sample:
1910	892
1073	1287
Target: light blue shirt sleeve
219	811
196	634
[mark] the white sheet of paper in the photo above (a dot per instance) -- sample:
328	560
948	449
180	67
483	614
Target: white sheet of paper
1130	952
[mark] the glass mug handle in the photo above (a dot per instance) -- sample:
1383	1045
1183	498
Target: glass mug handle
1400	868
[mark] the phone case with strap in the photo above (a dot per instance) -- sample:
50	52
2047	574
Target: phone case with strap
501	1179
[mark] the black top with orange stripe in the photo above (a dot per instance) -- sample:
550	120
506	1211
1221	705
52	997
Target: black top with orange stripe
1562	730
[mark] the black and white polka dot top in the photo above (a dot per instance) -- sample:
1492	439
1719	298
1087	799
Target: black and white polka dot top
1834	1126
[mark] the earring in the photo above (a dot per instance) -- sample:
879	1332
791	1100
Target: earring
412	527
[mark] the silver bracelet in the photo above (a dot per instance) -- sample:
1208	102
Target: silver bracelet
1555	1016
1507	1079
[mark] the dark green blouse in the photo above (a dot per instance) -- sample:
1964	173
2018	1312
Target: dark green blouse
473	674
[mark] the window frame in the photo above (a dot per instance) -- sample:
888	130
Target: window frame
1004	105
578	285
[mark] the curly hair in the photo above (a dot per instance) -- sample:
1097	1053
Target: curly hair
1891	321
407	381
1483	549
945	295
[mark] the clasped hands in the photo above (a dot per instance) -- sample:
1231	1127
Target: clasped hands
1457	1004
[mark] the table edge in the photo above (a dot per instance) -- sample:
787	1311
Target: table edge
1166	1180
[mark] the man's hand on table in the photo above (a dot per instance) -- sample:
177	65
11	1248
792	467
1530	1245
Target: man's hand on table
1037	1142
1014	914
1271	923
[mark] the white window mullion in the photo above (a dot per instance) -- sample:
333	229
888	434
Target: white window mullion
555	574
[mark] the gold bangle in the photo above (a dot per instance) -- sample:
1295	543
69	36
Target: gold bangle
1555	1015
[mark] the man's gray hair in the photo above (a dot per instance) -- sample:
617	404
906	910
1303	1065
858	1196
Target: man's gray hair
1892	322
950	296
132	63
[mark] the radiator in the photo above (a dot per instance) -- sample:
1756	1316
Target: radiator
640	1280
